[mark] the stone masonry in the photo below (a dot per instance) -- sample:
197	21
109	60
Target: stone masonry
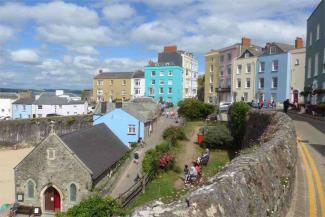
256	184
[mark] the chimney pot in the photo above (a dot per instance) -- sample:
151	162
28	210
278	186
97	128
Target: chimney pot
299	43
246	42
100	71
170	49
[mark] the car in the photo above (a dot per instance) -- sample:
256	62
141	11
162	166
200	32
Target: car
224	106
52	115
212	117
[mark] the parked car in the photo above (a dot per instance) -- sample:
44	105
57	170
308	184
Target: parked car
224	106
52	115
212	117
4	117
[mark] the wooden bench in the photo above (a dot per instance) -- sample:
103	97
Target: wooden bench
28	210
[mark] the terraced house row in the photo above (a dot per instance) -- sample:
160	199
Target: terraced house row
246	72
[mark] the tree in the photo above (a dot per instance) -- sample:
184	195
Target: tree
193	109
237	117
200	87
217	136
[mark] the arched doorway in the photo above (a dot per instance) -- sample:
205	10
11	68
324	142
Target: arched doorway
52	200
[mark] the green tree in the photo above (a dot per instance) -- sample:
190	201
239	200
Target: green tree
193	109
217	136
200	87
237	116
173	134
95	206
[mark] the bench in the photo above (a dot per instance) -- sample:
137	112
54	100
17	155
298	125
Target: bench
28	210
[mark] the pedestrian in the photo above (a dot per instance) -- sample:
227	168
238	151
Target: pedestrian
273	104
186	172
262	103
286	105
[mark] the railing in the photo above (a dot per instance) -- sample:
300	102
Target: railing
129	195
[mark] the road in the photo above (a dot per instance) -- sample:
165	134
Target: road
310	180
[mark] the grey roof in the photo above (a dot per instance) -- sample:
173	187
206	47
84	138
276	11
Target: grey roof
97	147
24	101
284	47
8	95
114	75
255	51
138	74
49	98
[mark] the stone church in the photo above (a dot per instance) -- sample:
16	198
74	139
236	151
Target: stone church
62	170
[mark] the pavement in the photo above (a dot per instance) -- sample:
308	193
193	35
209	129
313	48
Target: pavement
127	177
309	192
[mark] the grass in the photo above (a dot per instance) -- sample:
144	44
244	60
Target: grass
218	159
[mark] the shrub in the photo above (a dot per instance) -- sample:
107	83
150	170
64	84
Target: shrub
149	161
217	136
174	133
95	206
192	109
166	161
237	117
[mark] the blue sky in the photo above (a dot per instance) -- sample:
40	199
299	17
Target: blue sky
63	44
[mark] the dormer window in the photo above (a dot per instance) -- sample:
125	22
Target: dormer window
273	50
247	55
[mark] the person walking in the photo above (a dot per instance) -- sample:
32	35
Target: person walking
186	172
286	105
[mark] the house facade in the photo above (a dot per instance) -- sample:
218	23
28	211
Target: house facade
6	100
164	82
60	172
23	108
188	62
211	82
243	79
137	85
315	54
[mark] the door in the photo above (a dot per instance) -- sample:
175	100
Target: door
52	200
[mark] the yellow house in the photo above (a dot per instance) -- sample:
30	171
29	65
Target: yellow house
211	76
110	86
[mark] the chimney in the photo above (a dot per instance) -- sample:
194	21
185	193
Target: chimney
170	49
246	42
299	43
100	71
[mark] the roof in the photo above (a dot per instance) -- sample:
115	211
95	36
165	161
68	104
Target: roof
114	75
138	74
314	11
8	95
97	147
284	47
255	51
49	98
24	101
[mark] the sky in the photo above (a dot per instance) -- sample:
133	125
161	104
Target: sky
63	44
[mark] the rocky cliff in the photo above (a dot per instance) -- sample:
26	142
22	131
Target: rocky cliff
258	184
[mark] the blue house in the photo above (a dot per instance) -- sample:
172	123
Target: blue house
22	108
128	121
273	73
164	82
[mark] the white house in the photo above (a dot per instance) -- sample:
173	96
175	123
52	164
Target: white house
137	84
6	100
58	103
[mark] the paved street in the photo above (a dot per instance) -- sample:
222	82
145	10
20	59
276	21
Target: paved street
310	182
127	178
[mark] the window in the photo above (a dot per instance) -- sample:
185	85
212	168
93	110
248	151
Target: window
161	90
245	96
316	65
247	55
170	73
161	73
211	78
111	82
2	110
274	82
100	82
153	73
99	92
131	129
221	58
210	99
297	62
248	83
39	107
211	89
151	91
153	82
229	56
261	83
275	65
50	154
40	115
137	82
161	82
186	72
248	68
123	92
30	189
238	83
229	69
310	38
123	82
73	192
170	82
170	90
273	50
211	68
137	91
309	68
24	107
317	32
262	67
60	106
239	67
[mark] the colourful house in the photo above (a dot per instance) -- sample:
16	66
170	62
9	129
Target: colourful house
164	82
22	108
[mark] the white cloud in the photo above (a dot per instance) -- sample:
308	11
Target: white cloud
124	64
27	56
118	12
166	3
85	62
56	12
88	50
5	33
72	35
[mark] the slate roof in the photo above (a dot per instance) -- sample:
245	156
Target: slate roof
49	98
24	101
255	51
97	147
284	47
114	75
8	95
138	74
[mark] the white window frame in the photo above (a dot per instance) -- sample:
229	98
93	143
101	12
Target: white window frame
153	73
111	82
211	88
260	67
161	90
170	73
318	32
316	64
309	68
250	67
273	65
238	83
170	82
152	91
161	82
161	73
131	129
170	90
123	82
246	86
310	38
153	82
239	69
260	83
100	82
27	190
273	83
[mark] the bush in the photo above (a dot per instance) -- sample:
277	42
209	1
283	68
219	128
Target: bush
192	109
174	133
237	117
217	136
150	161
95	206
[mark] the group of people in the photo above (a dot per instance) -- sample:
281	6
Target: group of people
194	173
264	104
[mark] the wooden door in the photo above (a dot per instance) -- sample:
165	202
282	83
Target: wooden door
52	200
57	201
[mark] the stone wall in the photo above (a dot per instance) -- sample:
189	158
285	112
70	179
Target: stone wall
32	131
256	184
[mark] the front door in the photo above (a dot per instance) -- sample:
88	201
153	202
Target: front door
52	200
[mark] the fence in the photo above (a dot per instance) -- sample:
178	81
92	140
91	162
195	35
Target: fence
128	196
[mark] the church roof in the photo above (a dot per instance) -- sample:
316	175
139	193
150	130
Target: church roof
97	147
